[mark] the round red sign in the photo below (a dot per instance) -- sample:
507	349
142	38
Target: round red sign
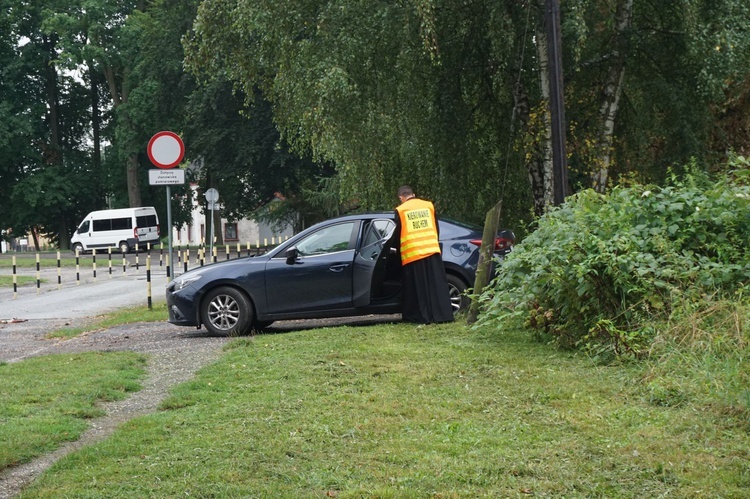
166	150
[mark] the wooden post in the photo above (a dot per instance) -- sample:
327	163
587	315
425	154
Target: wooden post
482	278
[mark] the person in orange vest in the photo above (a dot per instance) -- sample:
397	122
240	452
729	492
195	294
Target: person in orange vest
425	292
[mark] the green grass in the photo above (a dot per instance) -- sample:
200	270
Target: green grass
45	401
21	280
397	411
123	316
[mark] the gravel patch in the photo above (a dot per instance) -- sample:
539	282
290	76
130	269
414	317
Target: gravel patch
175	354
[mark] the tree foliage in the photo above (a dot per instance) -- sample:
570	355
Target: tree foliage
446	95
426	92
376	89
47	119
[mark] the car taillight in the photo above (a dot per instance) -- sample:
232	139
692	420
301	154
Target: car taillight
501	243
135	233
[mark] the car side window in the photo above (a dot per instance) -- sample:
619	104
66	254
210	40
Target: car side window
327	240
378	230
84	227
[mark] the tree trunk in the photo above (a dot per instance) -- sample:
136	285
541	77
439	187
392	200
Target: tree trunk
134	190
534	166
538	133
52	154
62	230
482	278
611	96
119	93
218	229
546	158
95	117
35	237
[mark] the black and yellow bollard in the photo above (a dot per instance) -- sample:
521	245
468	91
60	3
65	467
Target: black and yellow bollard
78	268
148	280
15	279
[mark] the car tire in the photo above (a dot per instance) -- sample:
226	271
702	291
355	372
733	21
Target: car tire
226	311
457	292
77	246
124	247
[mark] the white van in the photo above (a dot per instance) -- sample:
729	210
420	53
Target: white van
123	229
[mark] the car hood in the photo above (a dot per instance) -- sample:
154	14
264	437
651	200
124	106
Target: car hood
224	268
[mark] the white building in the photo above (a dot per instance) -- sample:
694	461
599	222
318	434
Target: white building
242	232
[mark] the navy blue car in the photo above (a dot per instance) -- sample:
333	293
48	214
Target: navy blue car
337	268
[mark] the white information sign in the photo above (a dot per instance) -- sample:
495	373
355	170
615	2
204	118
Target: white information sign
174	176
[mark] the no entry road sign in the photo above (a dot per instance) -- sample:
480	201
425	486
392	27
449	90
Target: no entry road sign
166	150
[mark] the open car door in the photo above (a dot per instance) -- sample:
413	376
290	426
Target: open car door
374	263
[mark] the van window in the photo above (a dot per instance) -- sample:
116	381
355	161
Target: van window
112	224
146	221
122	223
84	227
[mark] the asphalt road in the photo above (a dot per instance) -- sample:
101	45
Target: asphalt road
69	293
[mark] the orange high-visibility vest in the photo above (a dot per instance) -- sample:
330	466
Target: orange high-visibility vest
419	236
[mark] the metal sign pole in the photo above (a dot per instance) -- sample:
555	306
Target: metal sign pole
170	263
212	196
211	232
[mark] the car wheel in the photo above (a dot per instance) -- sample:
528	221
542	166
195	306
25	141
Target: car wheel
77	247
457	292
124	248
226	312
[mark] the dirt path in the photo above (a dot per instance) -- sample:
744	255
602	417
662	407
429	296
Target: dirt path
175	355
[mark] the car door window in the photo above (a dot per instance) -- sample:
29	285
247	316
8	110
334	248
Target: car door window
84	227
377	231
327	240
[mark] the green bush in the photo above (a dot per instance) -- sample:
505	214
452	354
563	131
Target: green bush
601	270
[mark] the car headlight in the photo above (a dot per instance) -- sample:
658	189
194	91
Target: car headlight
182	282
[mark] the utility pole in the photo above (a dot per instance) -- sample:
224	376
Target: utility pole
556	101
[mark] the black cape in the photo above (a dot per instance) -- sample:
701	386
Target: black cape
425	292
426	298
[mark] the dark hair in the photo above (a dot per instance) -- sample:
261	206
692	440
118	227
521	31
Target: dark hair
405	190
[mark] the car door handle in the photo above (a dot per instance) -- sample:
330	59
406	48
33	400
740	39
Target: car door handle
338	267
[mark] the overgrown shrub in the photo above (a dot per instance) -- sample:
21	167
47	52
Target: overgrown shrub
600	270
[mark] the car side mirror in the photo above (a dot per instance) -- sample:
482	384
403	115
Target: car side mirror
291	255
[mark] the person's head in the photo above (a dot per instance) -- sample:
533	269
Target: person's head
405	192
